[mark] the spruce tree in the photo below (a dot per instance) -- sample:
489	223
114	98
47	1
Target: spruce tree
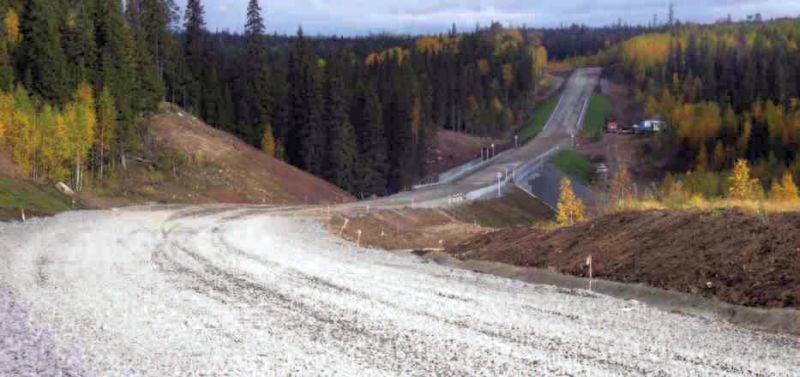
106	127
398	121
255	95
118	70
151	87
80	45
254	28
371	166
306	135
194	40
157	18
43	61
343	154
334	115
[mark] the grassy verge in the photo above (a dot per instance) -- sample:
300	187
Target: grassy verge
599	110
574	164
710	206
15	194
539	118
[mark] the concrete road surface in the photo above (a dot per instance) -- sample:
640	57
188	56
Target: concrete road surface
563	123
218	292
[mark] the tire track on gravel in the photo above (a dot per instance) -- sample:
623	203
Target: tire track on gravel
336	327
535	341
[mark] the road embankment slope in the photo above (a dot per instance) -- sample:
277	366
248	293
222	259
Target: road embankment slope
736	257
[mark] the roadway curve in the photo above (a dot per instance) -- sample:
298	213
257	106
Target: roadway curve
563	123
248	292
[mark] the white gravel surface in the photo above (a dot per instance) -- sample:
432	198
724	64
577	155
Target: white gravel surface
148	292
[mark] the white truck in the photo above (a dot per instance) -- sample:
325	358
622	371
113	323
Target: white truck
648	127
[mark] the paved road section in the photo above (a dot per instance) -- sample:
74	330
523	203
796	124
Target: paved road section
229	291
564	122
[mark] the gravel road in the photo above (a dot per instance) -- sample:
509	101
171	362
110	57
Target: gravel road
213	292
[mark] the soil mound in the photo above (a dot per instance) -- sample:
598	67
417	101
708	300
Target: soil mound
739	258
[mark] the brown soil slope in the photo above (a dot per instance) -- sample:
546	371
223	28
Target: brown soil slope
424	229
187	161
738	258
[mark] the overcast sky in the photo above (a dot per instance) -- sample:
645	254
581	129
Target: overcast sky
351	17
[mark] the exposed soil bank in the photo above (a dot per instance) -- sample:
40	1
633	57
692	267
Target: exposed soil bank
426	229
738	258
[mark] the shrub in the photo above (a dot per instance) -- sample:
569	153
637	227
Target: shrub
785	189
742	186
570	209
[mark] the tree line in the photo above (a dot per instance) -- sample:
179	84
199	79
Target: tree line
75	78
360	112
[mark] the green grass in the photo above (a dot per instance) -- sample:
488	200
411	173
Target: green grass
575	165
538	119
599	110
32	197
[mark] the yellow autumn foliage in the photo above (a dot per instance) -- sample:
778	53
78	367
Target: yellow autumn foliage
741	185
268	141
11	23
570	209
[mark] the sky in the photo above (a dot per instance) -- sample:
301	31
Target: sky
359	17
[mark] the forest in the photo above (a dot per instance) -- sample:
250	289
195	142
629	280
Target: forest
730	91
78	78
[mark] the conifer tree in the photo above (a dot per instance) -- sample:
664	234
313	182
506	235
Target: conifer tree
156	18
334	117
306	136
43	61
254	107
371	165
343	155
106	128
80	45
194	53
150	87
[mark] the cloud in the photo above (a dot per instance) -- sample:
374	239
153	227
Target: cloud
422	16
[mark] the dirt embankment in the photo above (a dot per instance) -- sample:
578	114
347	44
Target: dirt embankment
426	229
738	258
186	161
452	149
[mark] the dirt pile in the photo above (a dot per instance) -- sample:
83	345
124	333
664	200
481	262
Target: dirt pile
739	258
